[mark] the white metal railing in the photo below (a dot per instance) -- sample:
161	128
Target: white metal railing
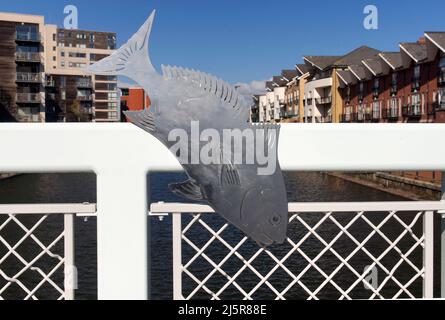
122	155
309	221
12	218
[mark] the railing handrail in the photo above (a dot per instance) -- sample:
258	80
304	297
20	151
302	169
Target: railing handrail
64	208
313	207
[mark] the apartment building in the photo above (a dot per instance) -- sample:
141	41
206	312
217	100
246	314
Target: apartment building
43	72
133	99
404	86
71	93
22	90
322	99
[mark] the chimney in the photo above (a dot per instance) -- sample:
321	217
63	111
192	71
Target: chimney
421	40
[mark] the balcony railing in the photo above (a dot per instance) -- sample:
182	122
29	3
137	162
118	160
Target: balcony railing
84	84
50	83
85	97
376	114
412	111
441	79
123	262
324	100
28	57
28	36
28	98
29	77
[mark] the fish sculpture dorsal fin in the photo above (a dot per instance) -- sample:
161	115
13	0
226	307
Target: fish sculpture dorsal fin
206	82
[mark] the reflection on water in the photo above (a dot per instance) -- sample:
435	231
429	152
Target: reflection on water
303	187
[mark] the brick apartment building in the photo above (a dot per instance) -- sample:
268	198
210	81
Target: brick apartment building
365	85
43	73
133	99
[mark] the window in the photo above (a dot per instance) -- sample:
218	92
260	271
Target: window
77	55
54	48
62	64
62	53
54	37
415	100
54	58
417	72
442	71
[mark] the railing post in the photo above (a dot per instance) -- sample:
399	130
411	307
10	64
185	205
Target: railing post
428	255
442	243
70	270
177	256
122	234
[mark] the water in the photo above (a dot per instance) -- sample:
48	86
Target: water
303	187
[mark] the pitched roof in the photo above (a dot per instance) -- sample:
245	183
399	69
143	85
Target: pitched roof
322	62
289	74
359	71
269	85
346	76
374	65
415	50
303	69
393	59
356	56
438	38
279	81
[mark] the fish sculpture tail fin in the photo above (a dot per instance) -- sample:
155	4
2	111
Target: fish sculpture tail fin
131	58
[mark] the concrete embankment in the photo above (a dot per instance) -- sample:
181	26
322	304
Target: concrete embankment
401	186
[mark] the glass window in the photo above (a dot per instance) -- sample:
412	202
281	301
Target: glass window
417	72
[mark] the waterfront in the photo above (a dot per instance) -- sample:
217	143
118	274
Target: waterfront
75	188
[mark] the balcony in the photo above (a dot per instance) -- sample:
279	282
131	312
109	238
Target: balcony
28	98
368	116
441	79
28	57
412	111
50	83
29	77
84	84
324	100
28	36
88	97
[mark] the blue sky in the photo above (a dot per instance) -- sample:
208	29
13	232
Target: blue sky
245	40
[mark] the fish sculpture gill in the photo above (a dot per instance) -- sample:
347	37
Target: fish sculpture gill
255	204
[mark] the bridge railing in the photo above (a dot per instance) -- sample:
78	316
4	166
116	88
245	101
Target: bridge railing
122	156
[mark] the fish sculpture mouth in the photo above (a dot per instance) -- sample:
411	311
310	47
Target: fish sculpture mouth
250	198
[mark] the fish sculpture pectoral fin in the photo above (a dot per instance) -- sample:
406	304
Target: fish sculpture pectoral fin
229	175
142	119
189	190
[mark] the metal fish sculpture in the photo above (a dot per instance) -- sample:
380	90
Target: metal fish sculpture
183	98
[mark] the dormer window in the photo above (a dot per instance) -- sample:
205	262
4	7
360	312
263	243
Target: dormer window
361	91
394	81
442	72
376	88
416	78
